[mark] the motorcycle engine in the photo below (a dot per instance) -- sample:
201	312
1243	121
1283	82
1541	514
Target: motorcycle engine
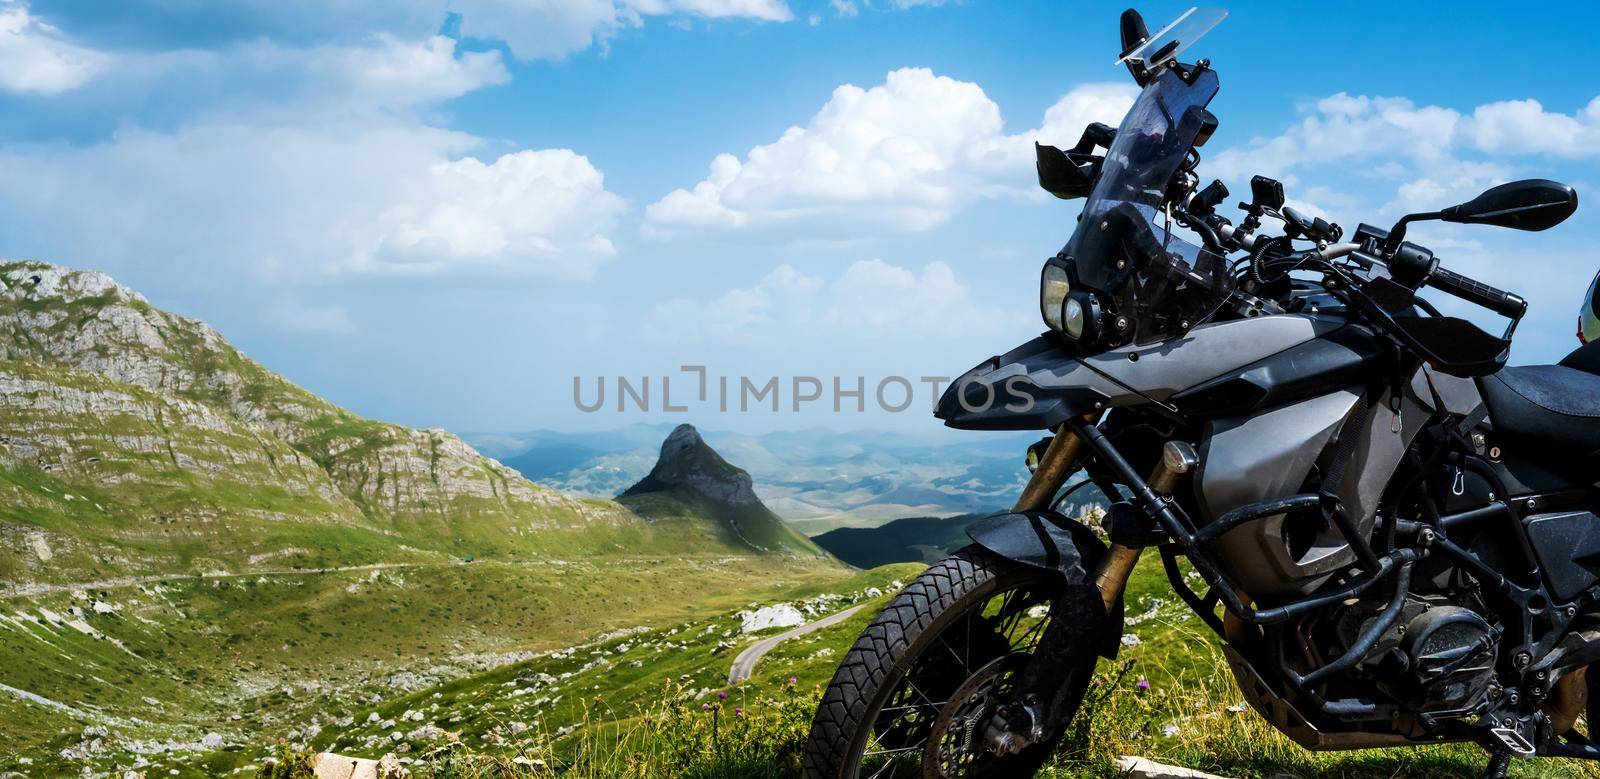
1438	660
1450	653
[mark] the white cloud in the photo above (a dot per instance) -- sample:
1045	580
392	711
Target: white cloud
906	153
295	203
871	295
36	58
552	29
1524	127
546	211
298	163
875	294
1345	127
398	72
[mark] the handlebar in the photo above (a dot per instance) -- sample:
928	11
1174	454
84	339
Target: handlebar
1476	292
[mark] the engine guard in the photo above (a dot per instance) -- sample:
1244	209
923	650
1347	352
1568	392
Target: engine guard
1051	541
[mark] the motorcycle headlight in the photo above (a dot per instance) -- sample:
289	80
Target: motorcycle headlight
1053	290
1072	319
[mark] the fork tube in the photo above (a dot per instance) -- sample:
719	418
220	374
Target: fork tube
1111	576
1060	460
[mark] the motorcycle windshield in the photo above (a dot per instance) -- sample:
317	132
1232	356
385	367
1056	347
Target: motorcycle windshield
1161	282
1150	145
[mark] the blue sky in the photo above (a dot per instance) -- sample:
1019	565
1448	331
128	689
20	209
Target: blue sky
440	212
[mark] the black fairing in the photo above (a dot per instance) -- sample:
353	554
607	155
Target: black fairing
1053	542
1567	544
982	400
1348	356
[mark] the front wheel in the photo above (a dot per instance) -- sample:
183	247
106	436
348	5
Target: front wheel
912	695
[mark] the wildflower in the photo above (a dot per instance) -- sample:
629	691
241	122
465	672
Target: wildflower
1143	685
722	695
739	710
705	707
793	681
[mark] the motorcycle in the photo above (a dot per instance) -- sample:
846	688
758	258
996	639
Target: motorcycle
1396	533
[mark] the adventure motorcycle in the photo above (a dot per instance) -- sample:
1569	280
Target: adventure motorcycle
1399	531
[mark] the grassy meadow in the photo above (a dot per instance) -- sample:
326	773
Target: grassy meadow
653	704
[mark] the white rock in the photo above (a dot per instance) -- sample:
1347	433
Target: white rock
781	615
1141	768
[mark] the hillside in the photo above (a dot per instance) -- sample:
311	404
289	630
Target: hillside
691	484
908	540
924	539
134	441
193	549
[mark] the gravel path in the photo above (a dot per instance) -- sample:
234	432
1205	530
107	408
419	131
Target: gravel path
745	663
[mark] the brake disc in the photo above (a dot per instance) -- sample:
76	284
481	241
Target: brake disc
955	742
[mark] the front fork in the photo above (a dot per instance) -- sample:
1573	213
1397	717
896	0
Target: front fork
1084	611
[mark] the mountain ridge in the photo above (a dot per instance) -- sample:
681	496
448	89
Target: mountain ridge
690	478
135	441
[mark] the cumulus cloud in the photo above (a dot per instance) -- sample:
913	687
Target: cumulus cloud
36	58
1341	127
297	163
1409	157
1404	136
906	153
1524	127
551	29
295	203
547	211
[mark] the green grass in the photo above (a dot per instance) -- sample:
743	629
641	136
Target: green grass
217	654
1188	716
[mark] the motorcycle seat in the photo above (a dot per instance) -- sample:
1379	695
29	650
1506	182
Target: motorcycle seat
1549	411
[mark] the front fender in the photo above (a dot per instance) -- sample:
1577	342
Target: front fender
1051	541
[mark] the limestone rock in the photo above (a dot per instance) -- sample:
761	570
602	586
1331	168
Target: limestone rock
331	766
1144	768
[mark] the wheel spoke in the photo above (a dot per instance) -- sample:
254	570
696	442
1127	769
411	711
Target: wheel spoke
913	717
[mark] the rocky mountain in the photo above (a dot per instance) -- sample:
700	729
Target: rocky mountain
816	479
135	441
196	554
690	481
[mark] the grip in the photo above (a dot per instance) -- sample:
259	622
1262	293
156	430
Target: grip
1478	293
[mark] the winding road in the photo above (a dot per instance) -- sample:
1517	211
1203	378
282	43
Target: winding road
745	663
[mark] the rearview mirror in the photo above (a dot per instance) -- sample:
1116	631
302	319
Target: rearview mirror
1530	204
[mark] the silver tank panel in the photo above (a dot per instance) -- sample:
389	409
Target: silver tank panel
1270	454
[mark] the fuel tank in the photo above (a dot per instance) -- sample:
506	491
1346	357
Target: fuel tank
1039	385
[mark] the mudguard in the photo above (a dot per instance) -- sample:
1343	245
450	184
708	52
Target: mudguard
1051	541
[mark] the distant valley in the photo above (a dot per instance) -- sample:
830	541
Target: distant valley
816	479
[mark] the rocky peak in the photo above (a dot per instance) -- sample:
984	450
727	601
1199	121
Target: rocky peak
688	461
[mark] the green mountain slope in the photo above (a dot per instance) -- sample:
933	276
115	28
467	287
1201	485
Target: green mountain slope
909	540
194	549
691	483
135	441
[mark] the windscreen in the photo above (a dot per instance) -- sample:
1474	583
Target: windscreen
1155	284
1150	145
1170	41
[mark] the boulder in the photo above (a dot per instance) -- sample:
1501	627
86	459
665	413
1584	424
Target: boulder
331	766
1142	768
